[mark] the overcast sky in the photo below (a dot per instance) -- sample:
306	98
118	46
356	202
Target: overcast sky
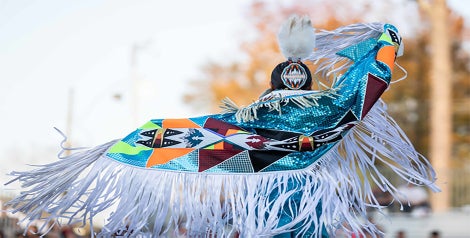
50	47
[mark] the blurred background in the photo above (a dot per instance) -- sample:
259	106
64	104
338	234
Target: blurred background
97	69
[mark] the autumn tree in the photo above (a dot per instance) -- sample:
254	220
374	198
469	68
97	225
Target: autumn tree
243	82
409	101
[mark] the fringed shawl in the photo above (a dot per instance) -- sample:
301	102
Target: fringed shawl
302	161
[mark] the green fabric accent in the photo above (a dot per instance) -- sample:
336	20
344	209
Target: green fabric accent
150	125
124	148
211	147
385	37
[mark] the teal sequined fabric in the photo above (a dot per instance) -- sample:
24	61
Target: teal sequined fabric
291	138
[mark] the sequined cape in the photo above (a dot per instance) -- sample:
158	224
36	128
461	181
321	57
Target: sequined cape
300	162
291	138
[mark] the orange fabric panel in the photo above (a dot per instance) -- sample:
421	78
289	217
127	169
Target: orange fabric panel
179	123
163	155
219	146
386	55
233	131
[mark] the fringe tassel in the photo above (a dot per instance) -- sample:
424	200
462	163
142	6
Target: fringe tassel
150	202
58	190
328	43
275	100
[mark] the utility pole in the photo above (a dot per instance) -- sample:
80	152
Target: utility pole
135	79
440	101
69	121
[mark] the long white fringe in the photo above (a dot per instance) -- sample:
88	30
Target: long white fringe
159	203
274	102
328	43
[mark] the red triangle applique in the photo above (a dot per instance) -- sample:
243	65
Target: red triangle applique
375	88
211	158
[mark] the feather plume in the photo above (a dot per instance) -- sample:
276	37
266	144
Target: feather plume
297	37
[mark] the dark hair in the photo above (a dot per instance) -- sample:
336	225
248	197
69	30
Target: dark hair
276	76
435	233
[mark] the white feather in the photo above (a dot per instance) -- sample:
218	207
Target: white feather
297	37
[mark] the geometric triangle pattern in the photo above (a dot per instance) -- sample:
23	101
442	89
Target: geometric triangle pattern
272	135
211	158
375	87
209	144
263	158
188	162
240	162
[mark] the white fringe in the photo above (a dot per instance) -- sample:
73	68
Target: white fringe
274	102
159	203
57	189
328	43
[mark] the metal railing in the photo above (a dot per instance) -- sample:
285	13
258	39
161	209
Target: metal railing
460	187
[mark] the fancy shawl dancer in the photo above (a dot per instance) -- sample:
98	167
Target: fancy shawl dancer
295	162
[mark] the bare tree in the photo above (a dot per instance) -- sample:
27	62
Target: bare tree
440	149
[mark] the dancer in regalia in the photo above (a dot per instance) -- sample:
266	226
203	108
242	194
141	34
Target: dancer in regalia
296	162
